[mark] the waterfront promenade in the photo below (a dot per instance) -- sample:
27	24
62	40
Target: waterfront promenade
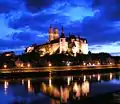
59	68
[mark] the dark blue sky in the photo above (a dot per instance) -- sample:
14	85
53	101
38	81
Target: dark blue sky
24	22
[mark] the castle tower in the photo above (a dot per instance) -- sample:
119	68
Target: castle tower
56	34
78	38
63	43
50	33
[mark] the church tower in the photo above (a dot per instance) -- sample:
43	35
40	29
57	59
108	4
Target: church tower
63	43
51	33
56	34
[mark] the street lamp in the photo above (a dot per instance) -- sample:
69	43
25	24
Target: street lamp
84	63
68	64
110	63
49	64
5	66
28	65
98	63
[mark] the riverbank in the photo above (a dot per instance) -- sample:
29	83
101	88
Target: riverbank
56	71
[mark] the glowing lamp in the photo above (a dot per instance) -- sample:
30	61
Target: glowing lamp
21	65
84	63
28	65
5	66
49	64
68	64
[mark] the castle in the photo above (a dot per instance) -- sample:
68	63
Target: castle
61	44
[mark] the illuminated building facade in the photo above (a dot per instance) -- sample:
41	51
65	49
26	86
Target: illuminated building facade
61	44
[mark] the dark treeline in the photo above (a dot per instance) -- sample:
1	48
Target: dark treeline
36	60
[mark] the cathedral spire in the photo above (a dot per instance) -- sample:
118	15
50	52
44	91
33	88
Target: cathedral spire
69	34
50	25
50	33
62	29
62	33
50	29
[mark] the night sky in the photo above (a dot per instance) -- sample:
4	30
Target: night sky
25	22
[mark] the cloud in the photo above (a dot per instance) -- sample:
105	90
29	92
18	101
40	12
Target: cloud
25	22
37	5
18	50
112	48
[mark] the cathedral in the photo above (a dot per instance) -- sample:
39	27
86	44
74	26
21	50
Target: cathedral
59	43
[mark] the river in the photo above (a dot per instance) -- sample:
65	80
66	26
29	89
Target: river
57	89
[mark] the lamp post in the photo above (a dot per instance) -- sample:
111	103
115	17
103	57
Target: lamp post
28	65
5	66
49	64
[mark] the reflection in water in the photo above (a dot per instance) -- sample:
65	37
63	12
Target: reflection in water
60	89
30	88
76	90
50	80
28	84
111	76
64	94
53	101
22	81
5	87
75	87
72	78
85	88
68	80
98	78
84	79
90	77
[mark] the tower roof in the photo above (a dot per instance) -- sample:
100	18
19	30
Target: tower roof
62	33
72	37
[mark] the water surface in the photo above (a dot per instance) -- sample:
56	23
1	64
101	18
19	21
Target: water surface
57	90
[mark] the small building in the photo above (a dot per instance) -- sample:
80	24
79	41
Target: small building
11	53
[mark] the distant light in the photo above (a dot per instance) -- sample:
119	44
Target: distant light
84	63
93	64
5	66
28	65
22	65
98	63
68	63
110	63
49	64
7	54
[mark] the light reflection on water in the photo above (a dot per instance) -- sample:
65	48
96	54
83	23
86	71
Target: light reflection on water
59	89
